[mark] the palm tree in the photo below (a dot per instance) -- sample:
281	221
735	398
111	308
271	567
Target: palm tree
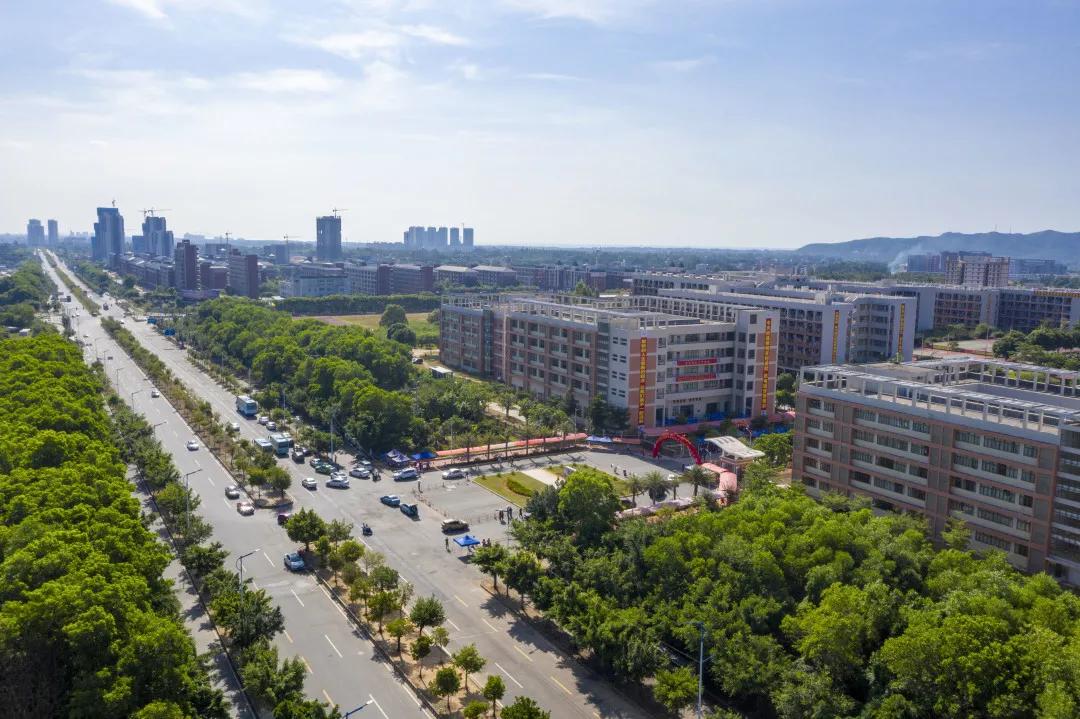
636	485
697	476
655	484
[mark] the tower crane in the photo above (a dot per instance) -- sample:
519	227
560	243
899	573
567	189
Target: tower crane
151	210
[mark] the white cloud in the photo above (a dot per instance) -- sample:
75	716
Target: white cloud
682	66
435	35
354	45
151	9
16	145
598	12
468	70
288	80
158	10
550	77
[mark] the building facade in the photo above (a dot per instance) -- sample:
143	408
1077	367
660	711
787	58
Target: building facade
243	277
186	266
107	245
35	233
328	238
455	275
315	280
992	443
156	237
661	368
975	270
54	233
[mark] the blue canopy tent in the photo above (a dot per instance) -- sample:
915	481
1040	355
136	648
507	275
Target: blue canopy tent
467	541
599	440
425	454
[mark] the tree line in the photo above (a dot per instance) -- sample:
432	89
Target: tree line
805	608
357	304
88	626
23	293
1046	346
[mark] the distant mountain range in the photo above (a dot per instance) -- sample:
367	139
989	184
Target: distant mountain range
1048	244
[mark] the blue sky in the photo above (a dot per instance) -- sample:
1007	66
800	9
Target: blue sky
730	123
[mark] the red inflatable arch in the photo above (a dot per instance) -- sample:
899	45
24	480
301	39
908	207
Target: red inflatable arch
674	437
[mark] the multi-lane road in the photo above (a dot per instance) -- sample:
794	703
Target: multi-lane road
343	666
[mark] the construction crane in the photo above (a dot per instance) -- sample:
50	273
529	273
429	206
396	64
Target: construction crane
336	210
287	237
151	210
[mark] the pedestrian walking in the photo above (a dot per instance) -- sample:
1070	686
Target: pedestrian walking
446	541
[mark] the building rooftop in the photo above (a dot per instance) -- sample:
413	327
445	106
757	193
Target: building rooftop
1023	396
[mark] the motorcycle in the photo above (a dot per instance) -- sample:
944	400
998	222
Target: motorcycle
365	529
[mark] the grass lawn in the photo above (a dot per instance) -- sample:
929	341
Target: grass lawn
621	487
499	484
426	332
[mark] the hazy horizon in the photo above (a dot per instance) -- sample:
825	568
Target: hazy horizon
593	123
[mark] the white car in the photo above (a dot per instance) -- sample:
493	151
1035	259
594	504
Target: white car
155	393
455	473
232	492
246	509
272	426
359	472
193	444
263	419
234	426
309	483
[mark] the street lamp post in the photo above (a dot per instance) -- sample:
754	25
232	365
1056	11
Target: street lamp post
240	585
133	393
353	711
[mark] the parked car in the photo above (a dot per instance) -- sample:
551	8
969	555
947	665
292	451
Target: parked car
455	525
364	463
390	500
309	483
315	460
409	510
324	468
297	456
232	492
338	483
294	562
155	393
263	419
272	426
407	473
193	444
359	473
246	509
283	518
234	426
455	473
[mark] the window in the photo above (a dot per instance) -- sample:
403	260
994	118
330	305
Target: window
1032	453
1004	495
916	493
995	517
962	507
920	427
965	461
967	485
1001	445
967	437
860	456
1026	500
865	415
1023	525
1020	549
986	538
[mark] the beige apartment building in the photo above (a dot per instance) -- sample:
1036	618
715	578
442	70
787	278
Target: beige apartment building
662	368
995	444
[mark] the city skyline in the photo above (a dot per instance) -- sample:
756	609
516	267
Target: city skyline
742	124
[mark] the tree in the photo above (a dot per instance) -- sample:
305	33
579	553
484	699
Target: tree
305	709
427	612
697	476
636	485
587	504
338	530
583	290
268	680
676	689
474	710
489	560
305	526
380	605
440	638
447	683
785	389
419	651
521	571
656	485
401	333
399	628
469	661
393	315
248	616
201	560
777	448
494	690
279	480
524	708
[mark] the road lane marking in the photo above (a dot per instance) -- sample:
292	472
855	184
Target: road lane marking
522	653
409	693
570	693
508	675
328	697
286	633
489	624
297	597
305	661
461	600
451	623
340	655
226	503
268	559
211	480
376	703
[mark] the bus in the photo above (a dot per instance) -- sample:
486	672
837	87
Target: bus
264	444
282	442
246	406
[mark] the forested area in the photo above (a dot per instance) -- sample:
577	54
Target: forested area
24	292
357	304
88	627
808	609
1046	346
355	375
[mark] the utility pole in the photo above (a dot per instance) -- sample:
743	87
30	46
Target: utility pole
187	503
240	586
701	667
